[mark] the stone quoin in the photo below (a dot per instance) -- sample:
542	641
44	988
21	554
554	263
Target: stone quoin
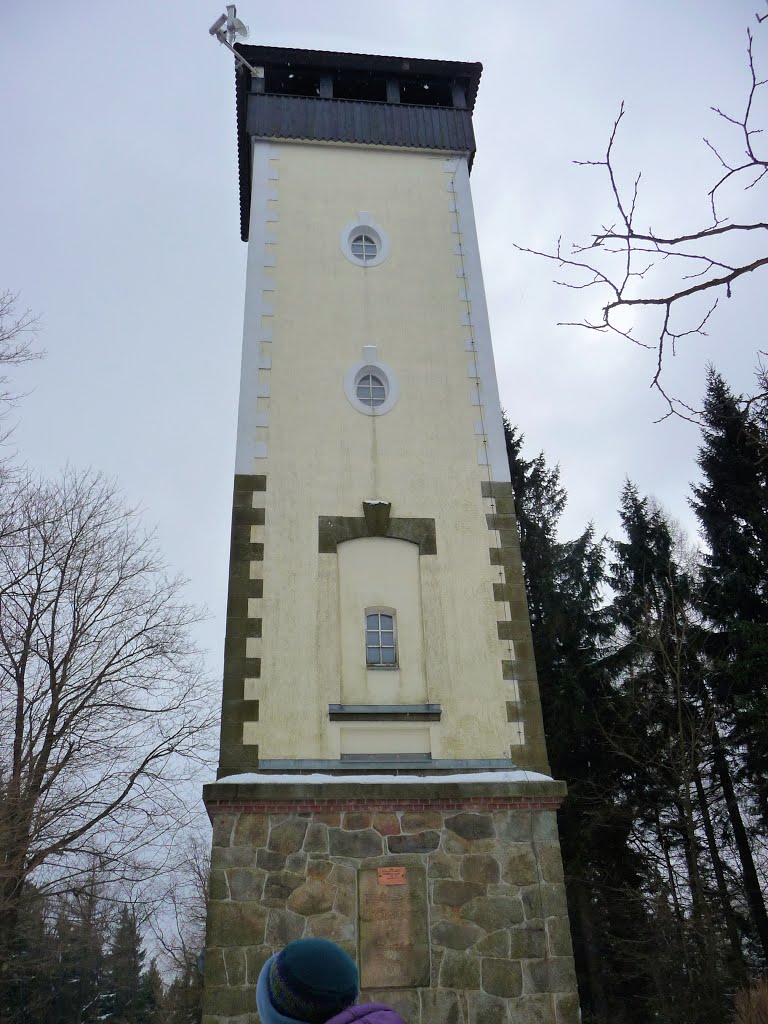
383	778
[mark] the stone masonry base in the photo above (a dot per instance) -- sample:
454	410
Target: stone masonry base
484	871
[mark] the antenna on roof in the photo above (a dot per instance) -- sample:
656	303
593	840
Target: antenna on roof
228	29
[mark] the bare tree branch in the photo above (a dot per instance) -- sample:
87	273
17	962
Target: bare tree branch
628	252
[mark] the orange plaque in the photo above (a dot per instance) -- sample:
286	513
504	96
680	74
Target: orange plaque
391	876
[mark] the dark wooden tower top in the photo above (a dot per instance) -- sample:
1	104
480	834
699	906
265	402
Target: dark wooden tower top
322	96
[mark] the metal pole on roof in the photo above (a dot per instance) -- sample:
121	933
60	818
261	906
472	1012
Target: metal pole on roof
228	29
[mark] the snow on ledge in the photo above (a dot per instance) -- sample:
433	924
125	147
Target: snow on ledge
249	778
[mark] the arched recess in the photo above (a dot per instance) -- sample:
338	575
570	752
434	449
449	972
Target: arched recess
381	572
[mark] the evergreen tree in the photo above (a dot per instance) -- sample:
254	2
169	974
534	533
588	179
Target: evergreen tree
183	1003
662	735
564	581
731	504
124	970
77	973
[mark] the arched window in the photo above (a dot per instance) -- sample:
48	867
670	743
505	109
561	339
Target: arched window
380	640
364	247
371	390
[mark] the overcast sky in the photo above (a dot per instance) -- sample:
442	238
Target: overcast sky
119	225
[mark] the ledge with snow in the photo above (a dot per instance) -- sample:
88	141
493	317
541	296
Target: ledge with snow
510	789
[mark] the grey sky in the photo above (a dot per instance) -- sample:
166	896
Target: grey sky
120	225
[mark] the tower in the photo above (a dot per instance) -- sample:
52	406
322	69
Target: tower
383	777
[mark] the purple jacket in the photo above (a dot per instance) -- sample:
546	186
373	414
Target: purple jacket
368	1013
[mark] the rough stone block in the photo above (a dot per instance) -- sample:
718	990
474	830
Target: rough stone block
527	943
550	862
471	826
251	830
232	857
420	821
513	826
345	902
386	824
236	924
434	968
562	975
443	865
224	1001
460	971
455	894
356	820
217	885
319	869
544	826
520	865
536	1009
245	884
255	958
486	1009
418	842
331	926
332	819
438	1007
316	840
553	899
268	860
223	827
535	976
456	935
312	898
480	868
215	971
357	845
495	944
234	961
296	862
279	887
567	1009
343	875
288	836
559	936
532	904
283	926
494	912
502	977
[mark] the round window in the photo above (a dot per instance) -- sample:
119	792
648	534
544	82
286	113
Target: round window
363	243
371	390
371	386
364	247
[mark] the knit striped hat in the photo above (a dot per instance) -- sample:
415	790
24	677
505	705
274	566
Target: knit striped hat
312	980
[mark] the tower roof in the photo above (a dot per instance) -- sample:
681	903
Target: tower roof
359	98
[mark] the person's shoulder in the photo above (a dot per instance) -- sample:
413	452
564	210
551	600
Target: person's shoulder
368	1013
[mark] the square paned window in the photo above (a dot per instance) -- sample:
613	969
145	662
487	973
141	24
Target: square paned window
380	643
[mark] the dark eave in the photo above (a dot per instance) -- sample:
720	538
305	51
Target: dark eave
336	63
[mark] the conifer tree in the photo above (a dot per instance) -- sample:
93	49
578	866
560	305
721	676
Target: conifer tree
135	993
564	582
731	504
662	735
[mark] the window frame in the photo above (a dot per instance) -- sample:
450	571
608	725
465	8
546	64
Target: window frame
371	382
368	244
385	375
363	225
377	666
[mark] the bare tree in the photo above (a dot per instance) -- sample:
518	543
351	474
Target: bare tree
678	276
18	334
103	702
